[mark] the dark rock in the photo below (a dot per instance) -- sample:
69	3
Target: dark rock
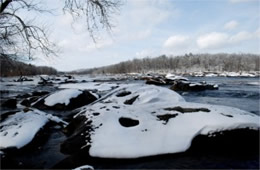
10	103
124	93
23	78
78	132
187	86
69	76
131	101
166	117
234	142
7	114
226	115
128	122
39	93
96	114
27	102
156	81
187	110
81	100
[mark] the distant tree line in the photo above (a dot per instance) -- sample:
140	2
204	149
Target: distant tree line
9	67
184	64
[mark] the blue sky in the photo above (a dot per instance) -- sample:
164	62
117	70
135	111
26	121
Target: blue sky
153	27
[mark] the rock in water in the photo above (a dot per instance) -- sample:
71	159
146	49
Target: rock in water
158	121
10	103
19	129
67	99
188	86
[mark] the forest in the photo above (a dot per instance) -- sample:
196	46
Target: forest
183	64
10	67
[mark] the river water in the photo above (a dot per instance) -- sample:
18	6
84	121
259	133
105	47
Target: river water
242	93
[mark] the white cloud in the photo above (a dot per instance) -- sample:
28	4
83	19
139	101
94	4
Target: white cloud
212	40
176	41
216	40
241	36
231	25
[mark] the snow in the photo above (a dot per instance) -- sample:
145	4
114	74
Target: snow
19	129
173	77
62	97
257	83
84	167
90	86
211	75
153	136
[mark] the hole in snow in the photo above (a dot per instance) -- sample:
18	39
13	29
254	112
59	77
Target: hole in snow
122	94
226	115
128	122
187	110
166	117
131	101
96	114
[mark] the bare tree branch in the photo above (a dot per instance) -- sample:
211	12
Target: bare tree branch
24	38
96	13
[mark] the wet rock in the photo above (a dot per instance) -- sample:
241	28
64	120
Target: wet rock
123	94
128	122
156	81
23	78
7	114
10	103
188	86
39	93
29	101
78	132
82	99
230	142
187	110
131	101
166	117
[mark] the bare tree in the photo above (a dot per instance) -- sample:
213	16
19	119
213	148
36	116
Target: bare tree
96	13
22	37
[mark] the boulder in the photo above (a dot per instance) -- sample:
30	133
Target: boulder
188	86
156	121
10	103
67	99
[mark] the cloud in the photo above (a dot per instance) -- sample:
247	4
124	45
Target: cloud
176	41
212	40
217	40
150	12
241	36
231	25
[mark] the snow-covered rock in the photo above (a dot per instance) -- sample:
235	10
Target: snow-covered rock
188	86
66	99
170	76
143	120
84	167
19	129
92	86
62	97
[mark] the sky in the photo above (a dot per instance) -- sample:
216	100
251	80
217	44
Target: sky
149	28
